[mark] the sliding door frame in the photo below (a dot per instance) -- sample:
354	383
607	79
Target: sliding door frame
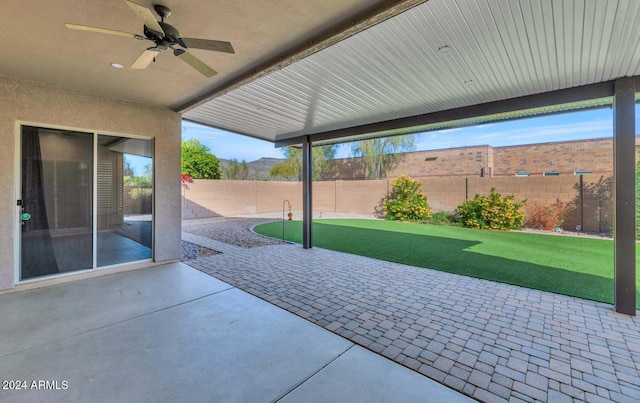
17	233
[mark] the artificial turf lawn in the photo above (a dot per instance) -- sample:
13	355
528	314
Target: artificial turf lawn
576	266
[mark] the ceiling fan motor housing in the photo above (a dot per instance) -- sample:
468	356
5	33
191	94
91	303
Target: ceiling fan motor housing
171	34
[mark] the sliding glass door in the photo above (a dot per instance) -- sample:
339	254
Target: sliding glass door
85	202
56	204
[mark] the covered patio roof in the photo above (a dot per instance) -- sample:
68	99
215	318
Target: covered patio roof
319	67
436	56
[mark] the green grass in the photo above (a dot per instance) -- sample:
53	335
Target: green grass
576	266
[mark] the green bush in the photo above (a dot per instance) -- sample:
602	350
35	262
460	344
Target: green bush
198	161
492	212
138	192
405	202
441	218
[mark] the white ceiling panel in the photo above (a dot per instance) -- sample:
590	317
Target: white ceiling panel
497	50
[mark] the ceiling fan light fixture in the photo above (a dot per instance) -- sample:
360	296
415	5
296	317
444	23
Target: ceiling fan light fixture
117	65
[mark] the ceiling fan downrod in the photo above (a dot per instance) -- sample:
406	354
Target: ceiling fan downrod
163	12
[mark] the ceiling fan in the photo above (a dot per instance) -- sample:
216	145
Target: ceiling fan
164	36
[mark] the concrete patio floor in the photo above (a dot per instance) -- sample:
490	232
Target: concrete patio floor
171	333
491	341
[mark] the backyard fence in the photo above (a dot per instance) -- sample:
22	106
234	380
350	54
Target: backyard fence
586	199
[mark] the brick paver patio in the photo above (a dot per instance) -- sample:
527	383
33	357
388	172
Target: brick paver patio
491	341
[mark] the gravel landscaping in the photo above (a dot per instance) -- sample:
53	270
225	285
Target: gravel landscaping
234	231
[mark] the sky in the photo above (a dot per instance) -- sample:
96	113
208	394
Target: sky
579	125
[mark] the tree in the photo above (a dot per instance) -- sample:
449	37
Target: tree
291	167
128	168
285	169
323	158
198	161
236	170
140	186
379	155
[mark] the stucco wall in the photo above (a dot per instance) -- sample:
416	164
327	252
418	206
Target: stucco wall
40	104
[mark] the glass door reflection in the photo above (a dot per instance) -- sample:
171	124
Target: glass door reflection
124	200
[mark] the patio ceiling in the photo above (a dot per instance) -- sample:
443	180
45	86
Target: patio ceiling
437	56
39	47
320	67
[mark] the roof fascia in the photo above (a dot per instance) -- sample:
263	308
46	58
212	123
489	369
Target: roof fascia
534	101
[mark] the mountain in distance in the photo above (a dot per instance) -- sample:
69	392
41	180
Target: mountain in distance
258	170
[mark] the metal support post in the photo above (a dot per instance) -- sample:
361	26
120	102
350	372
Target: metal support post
307	208
624	192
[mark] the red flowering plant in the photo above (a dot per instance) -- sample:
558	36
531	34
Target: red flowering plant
186	179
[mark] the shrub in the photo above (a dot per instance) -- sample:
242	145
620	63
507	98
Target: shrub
441	218
544	216
492	212
137	193
405	202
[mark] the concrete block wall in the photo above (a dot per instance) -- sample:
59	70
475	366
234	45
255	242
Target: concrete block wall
444	194
208	198
563	157
460	161
215	198
359	197
594	155
324	196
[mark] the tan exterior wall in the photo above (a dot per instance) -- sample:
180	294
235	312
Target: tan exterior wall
324	196
595	155
444	194
208	198
463	161
360	197
40	104
563	157
215	198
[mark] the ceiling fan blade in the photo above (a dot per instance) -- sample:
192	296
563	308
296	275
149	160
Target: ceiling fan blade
103	31
194	62
146	15
207	44
144	59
